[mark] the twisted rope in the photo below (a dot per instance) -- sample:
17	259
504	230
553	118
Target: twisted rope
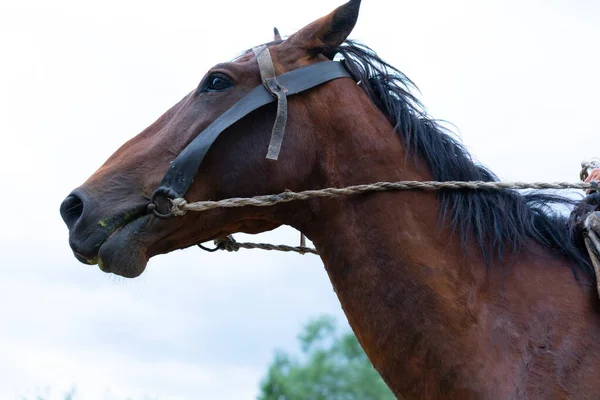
231	245
180	206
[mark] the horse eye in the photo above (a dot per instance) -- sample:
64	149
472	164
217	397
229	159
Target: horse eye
217	83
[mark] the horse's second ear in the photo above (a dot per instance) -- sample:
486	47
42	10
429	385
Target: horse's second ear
327	33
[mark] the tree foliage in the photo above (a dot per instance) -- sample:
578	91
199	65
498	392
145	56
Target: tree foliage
333	366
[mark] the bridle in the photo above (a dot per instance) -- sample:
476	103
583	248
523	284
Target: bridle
182	171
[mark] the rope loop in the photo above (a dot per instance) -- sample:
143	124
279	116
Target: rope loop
227	243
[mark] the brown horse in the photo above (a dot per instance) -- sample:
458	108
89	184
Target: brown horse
452	295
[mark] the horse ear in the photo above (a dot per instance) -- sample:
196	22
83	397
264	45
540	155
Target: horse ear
277	34
329	32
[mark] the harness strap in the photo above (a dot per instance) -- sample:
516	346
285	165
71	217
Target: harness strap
269	79
182	171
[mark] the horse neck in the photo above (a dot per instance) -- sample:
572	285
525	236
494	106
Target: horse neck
421	305
401	280
405	288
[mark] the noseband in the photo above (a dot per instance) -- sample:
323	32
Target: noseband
182	171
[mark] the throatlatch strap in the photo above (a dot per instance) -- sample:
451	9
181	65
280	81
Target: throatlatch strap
269	79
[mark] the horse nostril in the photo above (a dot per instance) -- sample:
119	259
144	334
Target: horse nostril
71	210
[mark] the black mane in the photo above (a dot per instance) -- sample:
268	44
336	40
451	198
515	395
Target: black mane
498	220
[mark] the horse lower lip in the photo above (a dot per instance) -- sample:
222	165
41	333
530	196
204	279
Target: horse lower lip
83	259
123	253
113	234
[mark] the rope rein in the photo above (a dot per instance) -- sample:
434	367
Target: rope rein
181	207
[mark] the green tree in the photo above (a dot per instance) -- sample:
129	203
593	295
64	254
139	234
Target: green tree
333	366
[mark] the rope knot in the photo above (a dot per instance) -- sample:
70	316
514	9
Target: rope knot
227	243
178	207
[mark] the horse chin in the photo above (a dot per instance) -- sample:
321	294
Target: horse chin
124	253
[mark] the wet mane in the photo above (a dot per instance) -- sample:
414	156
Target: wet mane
497	220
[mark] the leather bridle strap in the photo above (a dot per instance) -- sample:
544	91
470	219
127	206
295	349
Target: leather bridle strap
269	79
182	171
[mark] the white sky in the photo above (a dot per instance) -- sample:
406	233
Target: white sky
519	78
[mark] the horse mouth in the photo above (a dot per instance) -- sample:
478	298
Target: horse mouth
111	229
123	252
128	240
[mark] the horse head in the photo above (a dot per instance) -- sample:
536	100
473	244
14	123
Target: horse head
108	219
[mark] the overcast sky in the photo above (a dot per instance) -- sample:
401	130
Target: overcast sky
519	79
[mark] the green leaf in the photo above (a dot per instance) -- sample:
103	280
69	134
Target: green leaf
332	367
